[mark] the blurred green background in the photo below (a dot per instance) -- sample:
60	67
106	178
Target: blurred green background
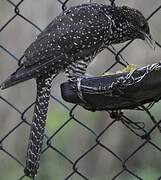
74	140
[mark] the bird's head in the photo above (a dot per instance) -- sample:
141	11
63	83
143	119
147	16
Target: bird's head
131	25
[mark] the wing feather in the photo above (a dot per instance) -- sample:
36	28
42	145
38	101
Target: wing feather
77	29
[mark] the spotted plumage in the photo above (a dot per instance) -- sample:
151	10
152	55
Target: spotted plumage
69	43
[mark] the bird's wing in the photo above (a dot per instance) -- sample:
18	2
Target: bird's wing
77	29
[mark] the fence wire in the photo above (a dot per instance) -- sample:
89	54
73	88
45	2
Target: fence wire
136	129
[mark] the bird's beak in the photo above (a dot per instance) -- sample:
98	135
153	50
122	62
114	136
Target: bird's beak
149	40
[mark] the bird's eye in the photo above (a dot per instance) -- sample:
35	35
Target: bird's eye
145	28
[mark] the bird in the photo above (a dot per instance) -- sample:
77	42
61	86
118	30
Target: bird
69	44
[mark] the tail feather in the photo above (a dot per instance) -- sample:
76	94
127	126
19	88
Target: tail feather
38	126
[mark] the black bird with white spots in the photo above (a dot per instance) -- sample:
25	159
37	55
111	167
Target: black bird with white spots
68	44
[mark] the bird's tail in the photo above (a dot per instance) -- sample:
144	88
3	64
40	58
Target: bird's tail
38	126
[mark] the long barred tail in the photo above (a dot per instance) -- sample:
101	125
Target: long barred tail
38	126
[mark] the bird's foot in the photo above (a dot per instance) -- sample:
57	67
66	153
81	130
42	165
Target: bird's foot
86	75
76	78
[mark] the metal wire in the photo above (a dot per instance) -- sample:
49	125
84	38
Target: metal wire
137	129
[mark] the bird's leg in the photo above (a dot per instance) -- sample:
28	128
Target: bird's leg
76	72
38	126
77	69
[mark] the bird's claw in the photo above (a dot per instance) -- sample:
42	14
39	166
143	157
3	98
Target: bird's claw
76	78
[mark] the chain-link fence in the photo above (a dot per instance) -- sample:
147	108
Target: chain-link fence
124	147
